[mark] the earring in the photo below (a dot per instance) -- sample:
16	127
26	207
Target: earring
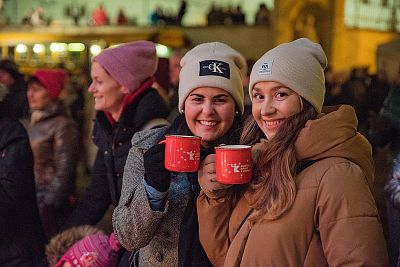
236	112
182	111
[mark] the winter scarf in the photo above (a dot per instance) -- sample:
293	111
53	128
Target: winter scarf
190	251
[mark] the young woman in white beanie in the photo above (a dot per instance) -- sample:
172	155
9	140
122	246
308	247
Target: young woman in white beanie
310	200
156	216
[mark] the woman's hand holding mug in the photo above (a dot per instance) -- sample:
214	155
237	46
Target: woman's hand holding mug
208	179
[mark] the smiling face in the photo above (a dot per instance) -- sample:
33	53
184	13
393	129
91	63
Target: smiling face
108	93
209	112
38	98
272	104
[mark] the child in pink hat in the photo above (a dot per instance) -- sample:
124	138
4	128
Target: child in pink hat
93	250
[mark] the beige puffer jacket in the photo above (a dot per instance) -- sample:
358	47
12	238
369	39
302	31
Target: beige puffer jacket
333	221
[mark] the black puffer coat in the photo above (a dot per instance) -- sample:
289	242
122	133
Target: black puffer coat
114	143
22	237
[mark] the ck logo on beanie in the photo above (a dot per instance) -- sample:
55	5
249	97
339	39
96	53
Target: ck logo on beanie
266	67
214	67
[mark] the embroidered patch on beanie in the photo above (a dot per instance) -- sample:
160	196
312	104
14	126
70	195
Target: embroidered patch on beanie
299	65
215	67
266	67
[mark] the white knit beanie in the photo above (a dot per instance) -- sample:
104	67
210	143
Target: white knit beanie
298	65
212	65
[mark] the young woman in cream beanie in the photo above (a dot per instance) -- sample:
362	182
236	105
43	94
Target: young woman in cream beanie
156	216
310	200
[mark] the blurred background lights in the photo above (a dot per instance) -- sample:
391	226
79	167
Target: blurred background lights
95	49
21	48
38	48
58	47
76	47
162	51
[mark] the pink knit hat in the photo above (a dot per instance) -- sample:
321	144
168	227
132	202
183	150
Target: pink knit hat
52	79
130	64
93	250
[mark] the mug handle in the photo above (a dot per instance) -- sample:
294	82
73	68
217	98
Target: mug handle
162	142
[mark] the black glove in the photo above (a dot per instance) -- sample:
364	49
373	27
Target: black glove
204	152
155	173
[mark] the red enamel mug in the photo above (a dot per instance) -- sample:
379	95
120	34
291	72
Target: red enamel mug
233	164
182	153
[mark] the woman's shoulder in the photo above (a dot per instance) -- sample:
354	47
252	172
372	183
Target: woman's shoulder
329	170
64	120
147	138
10	127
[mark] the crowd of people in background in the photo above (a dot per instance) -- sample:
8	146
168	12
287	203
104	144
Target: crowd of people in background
235	16
160	17
216	15
164	218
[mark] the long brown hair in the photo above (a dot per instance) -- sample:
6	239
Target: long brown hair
274	186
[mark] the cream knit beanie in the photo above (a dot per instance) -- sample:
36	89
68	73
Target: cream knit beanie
298	65
212	65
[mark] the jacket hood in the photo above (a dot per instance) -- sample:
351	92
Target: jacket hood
334	134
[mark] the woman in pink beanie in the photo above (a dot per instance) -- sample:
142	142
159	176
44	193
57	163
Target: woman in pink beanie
125	102
310	200
54	137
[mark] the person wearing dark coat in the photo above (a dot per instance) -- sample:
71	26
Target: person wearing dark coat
16	102
126	103
390	135
392	190
22	237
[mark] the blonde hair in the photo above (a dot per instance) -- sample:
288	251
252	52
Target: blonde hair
274	186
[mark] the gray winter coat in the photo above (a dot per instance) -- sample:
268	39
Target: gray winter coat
153	234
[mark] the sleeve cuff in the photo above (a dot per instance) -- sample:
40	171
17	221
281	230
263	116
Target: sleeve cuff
155	197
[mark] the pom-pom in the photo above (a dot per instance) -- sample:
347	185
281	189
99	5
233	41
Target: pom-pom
114	243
